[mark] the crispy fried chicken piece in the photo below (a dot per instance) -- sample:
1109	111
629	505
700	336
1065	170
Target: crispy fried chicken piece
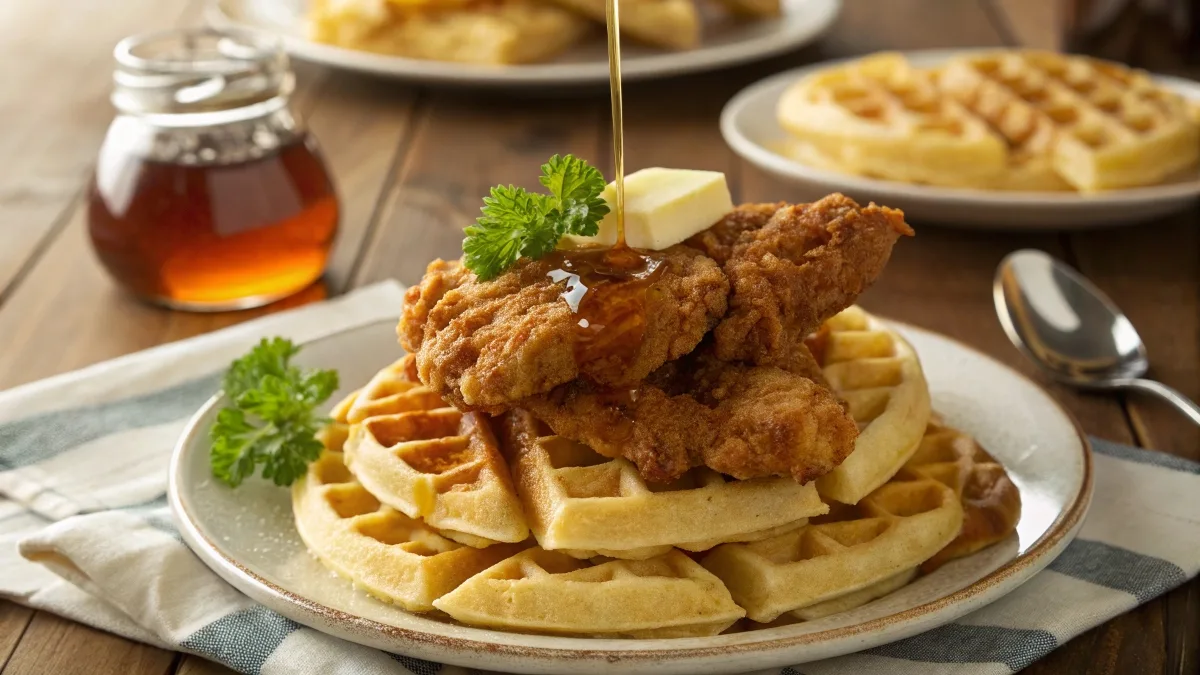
798	358
486	345
793	270
740	420
718	241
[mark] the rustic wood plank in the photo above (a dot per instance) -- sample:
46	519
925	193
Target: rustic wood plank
869	25
56	645
1183	633
1153	273
361	124
55	113
1028	23
696	138
14	620
194	665
68	313
462	146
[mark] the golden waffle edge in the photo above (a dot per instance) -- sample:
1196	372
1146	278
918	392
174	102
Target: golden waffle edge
430	461
996	120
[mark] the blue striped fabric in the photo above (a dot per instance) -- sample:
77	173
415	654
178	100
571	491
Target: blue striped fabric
956	643
37	438
1142	576
242	640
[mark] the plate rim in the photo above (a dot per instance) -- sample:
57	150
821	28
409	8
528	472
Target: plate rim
764	158
821	13
983	591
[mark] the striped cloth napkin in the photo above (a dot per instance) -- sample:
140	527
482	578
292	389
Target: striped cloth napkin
85	531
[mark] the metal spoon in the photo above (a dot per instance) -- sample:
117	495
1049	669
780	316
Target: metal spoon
1072	330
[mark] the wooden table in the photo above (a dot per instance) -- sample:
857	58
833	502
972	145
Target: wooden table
412	164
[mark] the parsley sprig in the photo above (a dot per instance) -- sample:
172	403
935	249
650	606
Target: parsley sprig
517	223
269	419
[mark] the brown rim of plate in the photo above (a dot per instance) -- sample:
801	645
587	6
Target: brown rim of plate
1066	521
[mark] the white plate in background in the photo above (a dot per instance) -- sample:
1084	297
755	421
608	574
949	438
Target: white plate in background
247	536
725	42
750	127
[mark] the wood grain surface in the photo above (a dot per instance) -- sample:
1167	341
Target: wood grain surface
411	166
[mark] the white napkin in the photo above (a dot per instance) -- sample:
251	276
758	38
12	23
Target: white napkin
85	531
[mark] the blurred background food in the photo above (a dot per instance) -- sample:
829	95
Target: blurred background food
1002	120
511	31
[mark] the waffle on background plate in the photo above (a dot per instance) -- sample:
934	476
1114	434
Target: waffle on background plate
499	32
1001	120
498	523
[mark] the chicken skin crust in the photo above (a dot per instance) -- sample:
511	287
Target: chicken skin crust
793	266
740	420
487	345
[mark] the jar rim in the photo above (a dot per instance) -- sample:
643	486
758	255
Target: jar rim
198	70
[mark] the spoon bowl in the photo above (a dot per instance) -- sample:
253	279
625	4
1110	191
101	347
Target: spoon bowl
1071	329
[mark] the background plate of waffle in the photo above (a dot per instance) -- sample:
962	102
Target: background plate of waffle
724	40
752	128
249	538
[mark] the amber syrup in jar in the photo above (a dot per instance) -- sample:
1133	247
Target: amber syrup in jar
208	193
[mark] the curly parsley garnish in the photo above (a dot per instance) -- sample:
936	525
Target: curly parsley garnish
517	223
269	419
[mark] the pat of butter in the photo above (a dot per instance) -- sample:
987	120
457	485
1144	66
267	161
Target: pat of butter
662	208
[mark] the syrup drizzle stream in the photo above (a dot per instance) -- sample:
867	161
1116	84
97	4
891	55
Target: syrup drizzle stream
608	288
613	20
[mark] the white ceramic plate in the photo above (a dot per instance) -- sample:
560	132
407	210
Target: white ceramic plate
749	126
726	42
247	536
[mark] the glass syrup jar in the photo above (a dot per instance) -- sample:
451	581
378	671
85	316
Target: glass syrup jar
209	194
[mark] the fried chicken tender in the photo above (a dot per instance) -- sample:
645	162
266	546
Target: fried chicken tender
718	241
793	269
740	420
486	345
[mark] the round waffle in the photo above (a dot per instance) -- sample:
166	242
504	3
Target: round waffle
1002	120
880	117
950	499
894	529
585	504
665	596
430	461
1097	124
879	375
991	502
382	551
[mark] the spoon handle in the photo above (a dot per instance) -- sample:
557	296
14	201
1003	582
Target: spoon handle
1168	394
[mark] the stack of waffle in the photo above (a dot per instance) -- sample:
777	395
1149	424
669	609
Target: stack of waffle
1005	120
498	522
506	31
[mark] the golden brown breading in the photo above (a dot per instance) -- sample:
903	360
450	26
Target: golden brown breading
804	264
486	345
743	421
441	277
718	241
799	359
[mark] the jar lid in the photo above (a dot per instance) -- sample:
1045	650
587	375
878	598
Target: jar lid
199	70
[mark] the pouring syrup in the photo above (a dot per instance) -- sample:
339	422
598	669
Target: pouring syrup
608	287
